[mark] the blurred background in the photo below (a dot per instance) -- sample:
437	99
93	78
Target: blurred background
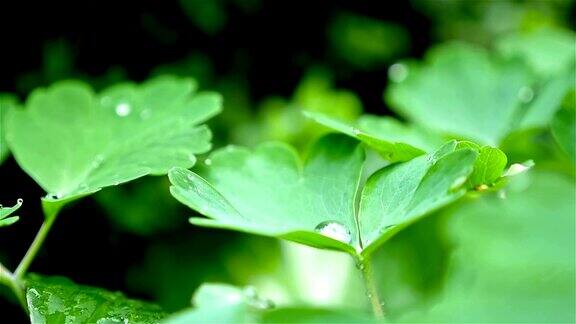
270	60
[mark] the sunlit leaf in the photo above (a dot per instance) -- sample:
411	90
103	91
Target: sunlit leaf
7	211
59	300
270	191
73	142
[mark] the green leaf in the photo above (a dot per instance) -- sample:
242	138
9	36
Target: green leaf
270	191
222	303
388	136
564	130
462	91
489	167
59	300
73	142
7	102
7	211
315	315
548	51
514	257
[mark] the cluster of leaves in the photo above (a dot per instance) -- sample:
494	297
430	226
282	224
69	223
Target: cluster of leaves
462	104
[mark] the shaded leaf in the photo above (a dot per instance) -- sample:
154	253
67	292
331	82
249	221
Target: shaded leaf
59	300
564	130
392	139
7	102
7	211
74	142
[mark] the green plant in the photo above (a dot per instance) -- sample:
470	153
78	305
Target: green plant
359	185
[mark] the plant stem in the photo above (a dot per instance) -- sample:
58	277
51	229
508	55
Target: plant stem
34	248
8	279
371	290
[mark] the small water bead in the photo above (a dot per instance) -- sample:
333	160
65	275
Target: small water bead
255	300
398	72
123	109
19	201
525	94
145	114
334	230
208	162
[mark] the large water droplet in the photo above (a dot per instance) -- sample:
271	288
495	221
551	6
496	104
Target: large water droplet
398	72
123	109
525	94
334	230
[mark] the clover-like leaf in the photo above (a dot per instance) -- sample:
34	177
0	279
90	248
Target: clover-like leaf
7	102
59	300
392	139
464	92
73	142
7	211
270	191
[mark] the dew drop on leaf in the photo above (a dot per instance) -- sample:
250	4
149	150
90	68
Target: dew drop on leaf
334	230
145	114
208	162
123	109
525	94
398	72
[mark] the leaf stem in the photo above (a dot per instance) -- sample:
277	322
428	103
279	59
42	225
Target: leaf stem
15	284
365	268
34	248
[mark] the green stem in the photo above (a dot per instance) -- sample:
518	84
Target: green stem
371	290
34	248
10	281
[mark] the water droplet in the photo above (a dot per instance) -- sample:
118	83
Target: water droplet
356	131
525	94
145	114
255	300
208	162
457	183
19	201
123	109
398	72
105	101
502	194
334	230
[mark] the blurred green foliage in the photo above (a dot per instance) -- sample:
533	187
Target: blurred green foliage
501	74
